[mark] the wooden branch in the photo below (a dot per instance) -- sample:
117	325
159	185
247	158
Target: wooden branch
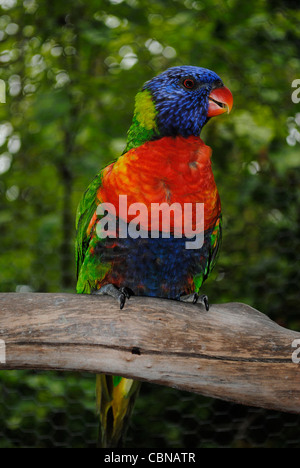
232	352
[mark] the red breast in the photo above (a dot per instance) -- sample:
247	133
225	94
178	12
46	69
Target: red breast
168	170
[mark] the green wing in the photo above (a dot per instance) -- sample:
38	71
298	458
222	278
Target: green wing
84	241
215	243
216	240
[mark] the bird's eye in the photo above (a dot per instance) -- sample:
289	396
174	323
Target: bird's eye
188	83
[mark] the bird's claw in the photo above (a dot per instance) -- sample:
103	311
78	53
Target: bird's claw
204	300
194	298
122	300
119	294
127	292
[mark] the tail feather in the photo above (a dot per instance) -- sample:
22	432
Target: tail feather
115	397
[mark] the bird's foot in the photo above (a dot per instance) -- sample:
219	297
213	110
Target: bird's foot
120	294
194	298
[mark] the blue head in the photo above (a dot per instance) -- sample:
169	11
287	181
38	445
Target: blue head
185	97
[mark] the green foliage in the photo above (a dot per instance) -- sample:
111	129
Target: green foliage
72	70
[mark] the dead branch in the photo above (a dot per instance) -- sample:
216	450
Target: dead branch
232	352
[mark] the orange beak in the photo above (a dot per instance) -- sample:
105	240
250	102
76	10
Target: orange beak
220	101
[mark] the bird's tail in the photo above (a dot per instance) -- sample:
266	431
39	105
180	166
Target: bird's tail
115	400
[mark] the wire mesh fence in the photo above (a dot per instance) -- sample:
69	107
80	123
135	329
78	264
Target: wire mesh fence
57	410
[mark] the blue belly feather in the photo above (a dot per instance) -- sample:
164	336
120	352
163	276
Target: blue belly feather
160	267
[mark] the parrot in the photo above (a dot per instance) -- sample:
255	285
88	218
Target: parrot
164	162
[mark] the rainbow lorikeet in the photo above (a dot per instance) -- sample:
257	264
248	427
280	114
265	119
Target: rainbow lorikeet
165	161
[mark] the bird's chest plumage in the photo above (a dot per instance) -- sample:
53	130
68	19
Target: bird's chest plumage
172	170
169	170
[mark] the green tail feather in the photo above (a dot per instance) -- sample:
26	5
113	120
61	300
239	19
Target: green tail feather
115	401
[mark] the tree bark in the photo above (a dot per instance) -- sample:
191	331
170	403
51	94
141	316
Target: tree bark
232	352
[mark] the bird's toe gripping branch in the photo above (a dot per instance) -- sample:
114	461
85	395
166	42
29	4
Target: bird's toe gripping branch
194	298
120	294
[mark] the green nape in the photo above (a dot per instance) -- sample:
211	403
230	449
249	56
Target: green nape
143	127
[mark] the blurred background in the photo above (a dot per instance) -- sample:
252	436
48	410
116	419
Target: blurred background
71	70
